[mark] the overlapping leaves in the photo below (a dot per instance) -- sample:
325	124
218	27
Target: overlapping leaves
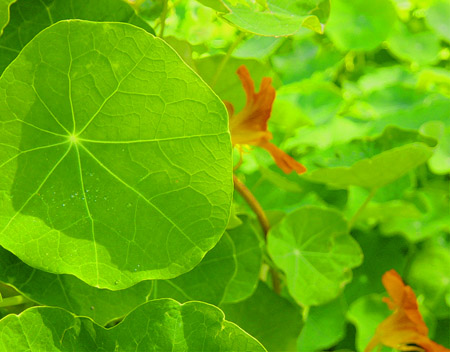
160	325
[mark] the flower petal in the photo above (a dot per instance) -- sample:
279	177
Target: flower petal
403	297
258	108
405	327
284	161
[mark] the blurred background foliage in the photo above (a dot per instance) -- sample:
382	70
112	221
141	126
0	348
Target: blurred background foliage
363	92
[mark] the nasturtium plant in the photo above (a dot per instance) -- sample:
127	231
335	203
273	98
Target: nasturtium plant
272	17
315	251
166	325
74	174
224	175
29	18
4	13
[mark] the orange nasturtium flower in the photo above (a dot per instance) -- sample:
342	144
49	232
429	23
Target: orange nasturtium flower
249	126
404	329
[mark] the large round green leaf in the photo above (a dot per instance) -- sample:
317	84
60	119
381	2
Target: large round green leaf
360	24
28	18
313	247
115	158
159	325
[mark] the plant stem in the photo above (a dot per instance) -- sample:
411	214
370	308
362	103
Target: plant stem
163	18
363	206
225	59
253	203
14	301
262	218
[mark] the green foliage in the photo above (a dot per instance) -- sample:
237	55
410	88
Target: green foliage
324	326
359	24
312	246
273	320
273	17
167	325
104	181
119	228
4	13
29	18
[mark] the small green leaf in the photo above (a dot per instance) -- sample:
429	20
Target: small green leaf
373	163
258	47
28	18
270	318
318	101
248	262
217	5
435	110
324	61
437	16
366	313
312	246
429	274
324	326
276	18
115	157
422	47
160	325
378	171
380	255
440	161
360	24
425	215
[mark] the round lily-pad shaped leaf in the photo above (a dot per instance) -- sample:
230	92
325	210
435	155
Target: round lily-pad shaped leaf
115	157
313	247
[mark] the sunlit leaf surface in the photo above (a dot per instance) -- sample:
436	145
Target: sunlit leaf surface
160	325
117	169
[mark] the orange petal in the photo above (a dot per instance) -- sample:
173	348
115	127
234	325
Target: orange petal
284	161
403	297
394	285
258	108
405	326
247	83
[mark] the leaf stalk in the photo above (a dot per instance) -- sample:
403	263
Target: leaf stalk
262	219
